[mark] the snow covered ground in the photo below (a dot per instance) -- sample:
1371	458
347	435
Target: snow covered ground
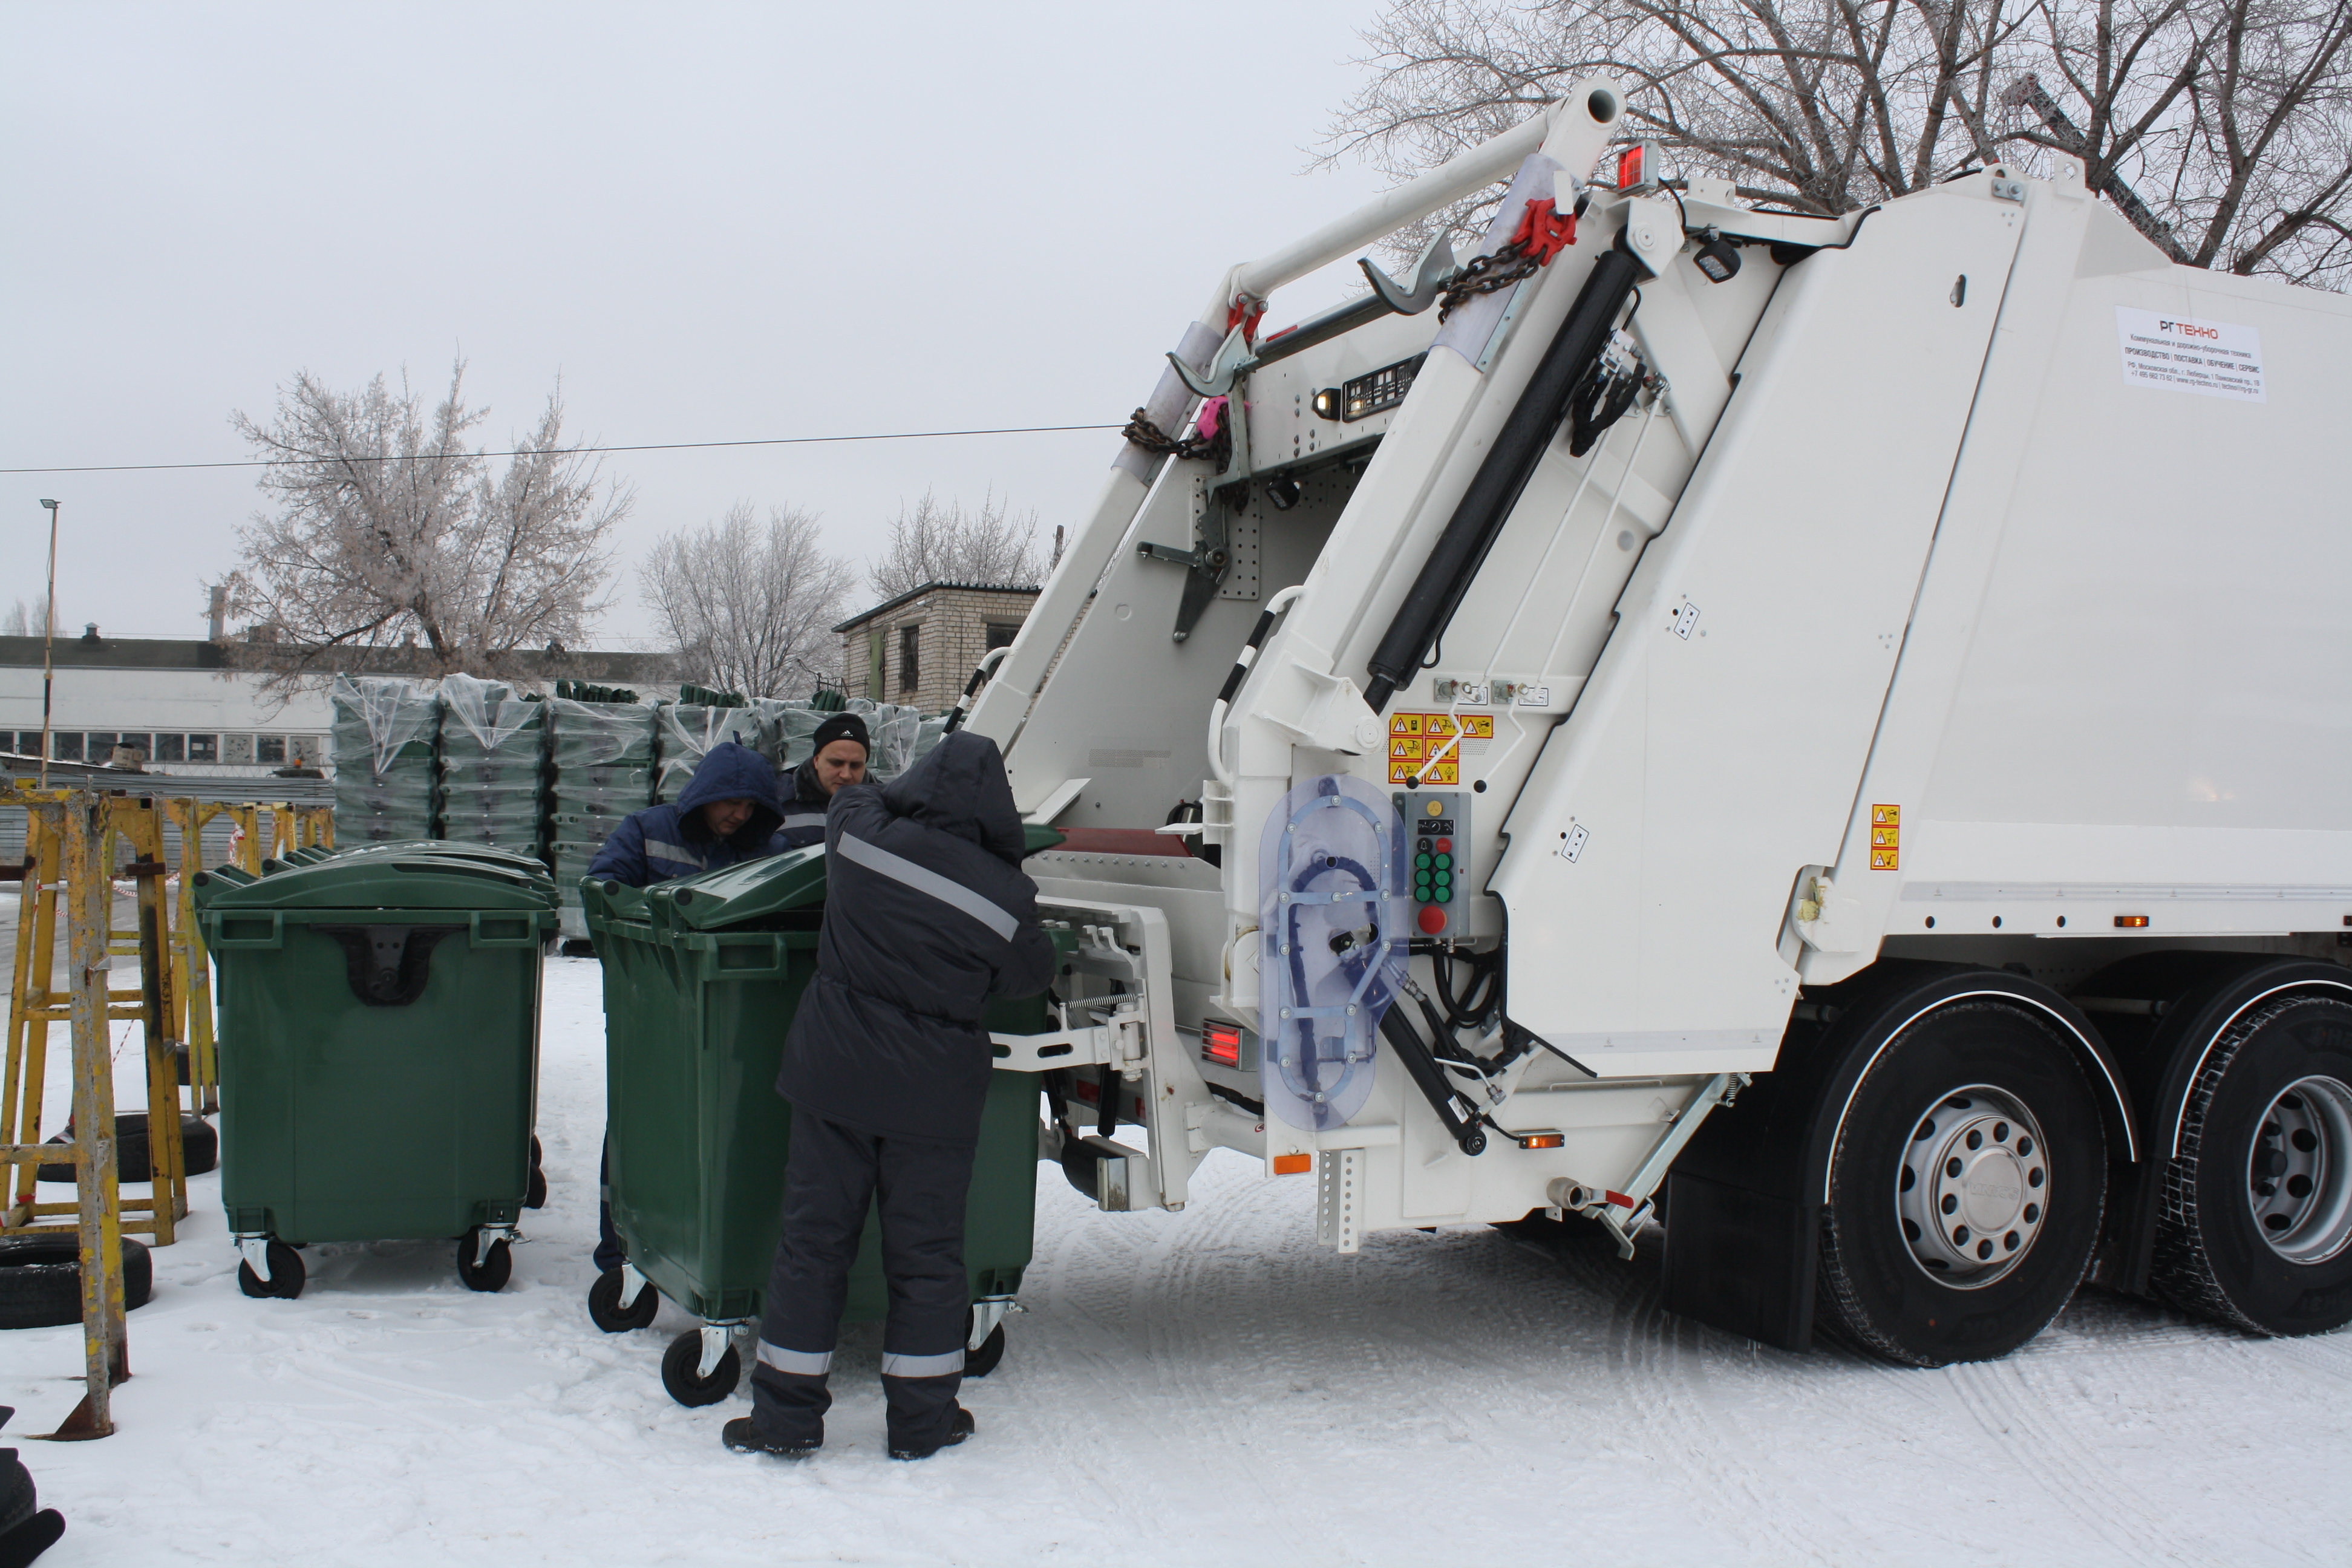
1207	1388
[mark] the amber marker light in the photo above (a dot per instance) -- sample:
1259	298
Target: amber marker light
1293	1164
2130	922
1542	1140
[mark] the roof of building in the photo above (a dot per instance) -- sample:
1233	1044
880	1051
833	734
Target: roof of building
933	587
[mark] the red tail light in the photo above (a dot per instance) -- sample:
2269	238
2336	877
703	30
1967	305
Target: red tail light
1222	1043
1632	165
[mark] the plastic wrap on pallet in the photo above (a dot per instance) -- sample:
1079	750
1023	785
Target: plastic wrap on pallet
600	758
792	728
382	736
686	732
493	764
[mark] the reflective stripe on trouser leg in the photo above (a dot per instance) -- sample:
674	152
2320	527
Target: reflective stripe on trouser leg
801	1363
896	1365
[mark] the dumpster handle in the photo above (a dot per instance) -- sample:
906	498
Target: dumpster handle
219	939
715	947
526	918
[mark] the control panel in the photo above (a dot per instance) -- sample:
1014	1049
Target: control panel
1437	846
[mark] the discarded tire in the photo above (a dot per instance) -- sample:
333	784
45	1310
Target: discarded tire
26	1530
199	1147
40	1280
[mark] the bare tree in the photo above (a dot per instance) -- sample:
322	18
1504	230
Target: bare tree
23	621
2222	129
988	546
750	606
391	531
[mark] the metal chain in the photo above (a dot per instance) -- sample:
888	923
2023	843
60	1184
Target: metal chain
1485	274
1153	439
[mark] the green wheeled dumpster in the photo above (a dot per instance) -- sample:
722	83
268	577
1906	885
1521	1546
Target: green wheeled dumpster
701	979
380	1053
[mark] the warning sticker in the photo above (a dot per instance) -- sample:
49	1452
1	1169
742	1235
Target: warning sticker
1415	738
2181	354
1885	837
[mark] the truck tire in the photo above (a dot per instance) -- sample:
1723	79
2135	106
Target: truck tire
1966	1188
2255	1228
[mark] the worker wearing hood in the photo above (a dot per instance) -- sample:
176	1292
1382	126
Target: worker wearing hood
927	916
837	761
729	813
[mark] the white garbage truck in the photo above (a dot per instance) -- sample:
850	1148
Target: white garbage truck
1830	733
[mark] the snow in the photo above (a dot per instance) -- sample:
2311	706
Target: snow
1207	1388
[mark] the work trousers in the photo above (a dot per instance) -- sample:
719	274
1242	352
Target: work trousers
831	1177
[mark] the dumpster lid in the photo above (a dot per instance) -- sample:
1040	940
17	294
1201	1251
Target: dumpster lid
793	880
386	881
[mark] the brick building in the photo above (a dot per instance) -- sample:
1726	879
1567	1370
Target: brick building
920	649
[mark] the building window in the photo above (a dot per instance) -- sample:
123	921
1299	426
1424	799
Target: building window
28	742
170	748
65	746
204	748
911	656
236	748
269	749
143	744
1001	634
98	745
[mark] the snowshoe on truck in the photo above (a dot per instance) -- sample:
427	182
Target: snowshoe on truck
1831	728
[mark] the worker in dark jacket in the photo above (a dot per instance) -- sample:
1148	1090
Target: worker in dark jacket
926	917
729	813
839	762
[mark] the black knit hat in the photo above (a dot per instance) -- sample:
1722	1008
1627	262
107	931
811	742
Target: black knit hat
842	727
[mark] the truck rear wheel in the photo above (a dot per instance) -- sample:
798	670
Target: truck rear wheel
1965	1190
2257	1225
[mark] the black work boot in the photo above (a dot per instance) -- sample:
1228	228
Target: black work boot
742	1435
960	1425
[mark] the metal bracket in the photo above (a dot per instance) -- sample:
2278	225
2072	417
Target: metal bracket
1339	1209
1623	1212
255	1250
1207	563
631	1284
986	1313
487	1235
1235	359
715	1340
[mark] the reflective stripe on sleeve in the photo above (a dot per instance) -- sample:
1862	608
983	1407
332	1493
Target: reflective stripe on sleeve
895	1365
801	1363
673	852
900	869
803	819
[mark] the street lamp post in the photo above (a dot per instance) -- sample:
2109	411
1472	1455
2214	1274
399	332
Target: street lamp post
49	642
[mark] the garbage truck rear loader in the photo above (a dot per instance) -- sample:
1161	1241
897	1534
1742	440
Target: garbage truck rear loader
1834	728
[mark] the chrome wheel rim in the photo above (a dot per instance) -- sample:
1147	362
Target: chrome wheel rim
1973	1191
2299	1171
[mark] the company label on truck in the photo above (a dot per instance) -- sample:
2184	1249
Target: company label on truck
2183	354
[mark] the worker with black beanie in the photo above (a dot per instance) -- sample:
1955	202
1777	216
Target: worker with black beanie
839	762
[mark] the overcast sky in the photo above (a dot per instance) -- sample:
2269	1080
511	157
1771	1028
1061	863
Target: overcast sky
711	222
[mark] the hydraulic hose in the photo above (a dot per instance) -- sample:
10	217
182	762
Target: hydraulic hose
1504	473
1430	1079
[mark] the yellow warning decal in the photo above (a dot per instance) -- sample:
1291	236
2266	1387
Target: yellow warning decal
1413	738
1470	726
1402	770
1885	837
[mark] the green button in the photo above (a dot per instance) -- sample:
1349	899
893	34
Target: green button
1421	862
1443	861
1445	879
1444	895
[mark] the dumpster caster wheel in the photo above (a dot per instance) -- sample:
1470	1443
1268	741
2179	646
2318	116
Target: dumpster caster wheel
286	1275
491	1273
982	1362
682	1371
605	1309
536	1199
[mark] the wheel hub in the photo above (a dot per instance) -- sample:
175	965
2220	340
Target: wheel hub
1973	1190
2299	1171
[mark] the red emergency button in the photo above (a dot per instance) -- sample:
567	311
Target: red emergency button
1446	847
1432	918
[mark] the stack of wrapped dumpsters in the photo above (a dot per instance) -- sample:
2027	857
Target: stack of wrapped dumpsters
386	782
493	766
600	768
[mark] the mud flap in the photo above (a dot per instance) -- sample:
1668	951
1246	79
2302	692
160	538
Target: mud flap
1740	1261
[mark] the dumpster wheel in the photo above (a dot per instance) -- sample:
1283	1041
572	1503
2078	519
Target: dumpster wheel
682	1371
495	1264
605	1309
982	1362
286	1274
